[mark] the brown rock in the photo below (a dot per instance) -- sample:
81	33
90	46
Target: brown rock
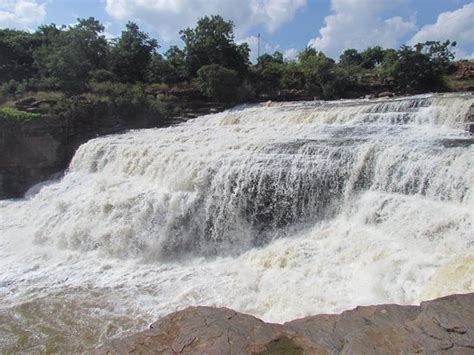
24	102
444	325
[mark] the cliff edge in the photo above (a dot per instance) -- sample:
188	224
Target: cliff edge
443	325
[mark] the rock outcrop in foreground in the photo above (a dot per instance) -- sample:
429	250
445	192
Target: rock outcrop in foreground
442	325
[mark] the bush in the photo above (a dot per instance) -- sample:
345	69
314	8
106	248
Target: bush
218	82
18	115
12	89
102	75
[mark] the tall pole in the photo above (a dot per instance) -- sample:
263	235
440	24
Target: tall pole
258	46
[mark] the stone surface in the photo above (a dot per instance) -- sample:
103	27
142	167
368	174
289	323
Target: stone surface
444	325
33	150
30	151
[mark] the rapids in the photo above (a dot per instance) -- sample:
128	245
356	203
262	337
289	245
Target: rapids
280	210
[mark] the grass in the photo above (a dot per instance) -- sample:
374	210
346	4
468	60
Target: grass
459	84
9	112
45	95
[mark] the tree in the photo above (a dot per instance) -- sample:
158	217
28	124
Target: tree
440	53
292	76
350	57
132	53
68	55
422	67
16	55
316	68
217	82
212	42
177	70
267	73
372	57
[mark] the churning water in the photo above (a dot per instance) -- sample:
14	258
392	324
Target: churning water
280	210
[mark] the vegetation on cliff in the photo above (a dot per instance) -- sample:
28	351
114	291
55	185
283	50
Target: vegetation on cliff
78	59
8	112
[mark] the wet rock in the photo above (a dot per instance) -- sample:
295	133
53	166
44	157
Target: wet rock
386	94
32	150
469	127
444	325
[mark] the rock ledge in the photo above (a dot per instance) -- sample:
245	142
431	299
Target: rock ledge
444	325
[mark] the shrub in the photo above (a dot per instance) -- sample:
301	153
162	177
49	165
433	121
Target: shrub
18	115
102	75
12	89
218	82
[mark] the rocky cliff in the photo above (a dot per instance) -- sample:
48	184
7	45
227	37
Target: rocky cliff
444	325
32	150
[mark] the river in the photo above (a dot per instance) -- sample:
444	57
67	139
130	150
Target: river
280	210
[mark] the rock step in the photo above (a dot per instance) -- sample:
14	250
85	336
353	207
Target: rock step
444	325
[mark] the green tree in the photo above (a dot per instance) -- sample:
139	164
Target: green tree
212	42
68	55
16	55
372	57
389	64
217	82
177	70
267	73
132	53
422	67
441	55
317	70
293	76
350	57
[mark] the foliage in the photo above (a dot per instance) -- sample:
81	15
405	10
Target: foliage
317	70
389	63
77	59
177	69
421	68
102	75
293	76
212	42
218	82
12	89
171	69
268	73
372	57
350	57
132	53
16	55
67	55
124	101
9	112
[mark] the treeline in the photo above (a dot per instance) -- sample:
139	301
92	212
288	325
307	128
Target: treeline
72	58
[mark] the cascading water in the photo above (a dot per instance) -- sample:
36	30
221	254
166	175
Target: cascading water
278	210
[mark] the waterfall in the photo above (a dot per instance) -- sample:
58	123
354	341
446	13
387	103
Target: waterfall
277	209
228	182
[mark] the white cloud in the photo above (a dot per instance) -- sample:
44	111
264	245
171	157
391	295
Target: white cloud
455	25
21	13
167	17
359	24
290	53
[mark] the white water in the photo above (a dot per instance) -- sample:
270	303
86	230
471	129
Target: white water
280	211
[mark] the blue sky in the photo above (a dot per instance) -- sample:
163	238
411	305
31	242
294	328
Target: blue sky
284	25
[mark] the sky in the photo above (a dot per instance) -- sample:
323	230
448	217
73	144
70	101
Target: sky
284	25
